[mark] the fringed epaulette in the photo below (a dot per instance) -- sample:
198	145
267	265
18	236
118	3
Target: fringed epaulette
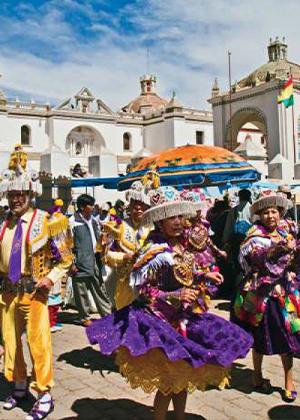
255	231
57	224
255	236
154	257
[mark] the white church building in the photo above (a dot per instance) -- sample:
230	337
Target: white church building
272	142
83	129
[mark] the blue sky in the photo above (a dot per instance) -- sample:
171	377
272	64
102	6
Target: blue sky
49	49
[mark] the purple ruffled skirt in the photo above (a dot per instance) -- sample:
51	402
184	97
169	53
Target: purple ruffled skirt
210	339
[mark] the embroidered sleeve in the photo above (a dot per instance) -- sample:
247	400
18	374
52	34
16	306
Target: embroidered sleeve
269	260
152	292
114	259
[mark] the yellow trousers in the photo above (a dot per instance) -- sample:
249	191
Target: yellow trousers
124	293
19	312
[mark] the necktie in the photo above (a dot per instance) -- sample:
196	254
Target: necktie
15	261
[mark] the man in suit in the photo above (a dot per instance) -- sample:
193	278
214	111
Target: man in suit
86	269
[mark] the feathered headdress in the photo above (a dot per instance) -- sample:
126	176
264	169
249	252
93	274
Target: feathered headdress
17	177
139	190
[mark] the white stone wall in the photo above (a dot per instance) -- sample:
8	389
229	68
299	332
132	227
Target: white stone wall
185	132
267	103
156	136
10	132
174	132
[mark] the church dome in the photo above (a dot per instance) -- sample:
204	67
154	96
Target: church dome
148	99
278	67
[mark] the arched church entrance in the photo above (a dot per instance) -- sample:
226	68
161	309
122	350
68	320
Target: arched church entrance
250	122
82	142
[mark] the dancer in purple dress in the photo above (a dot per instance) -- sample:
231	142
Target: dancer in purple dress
268	304
207	276
160	342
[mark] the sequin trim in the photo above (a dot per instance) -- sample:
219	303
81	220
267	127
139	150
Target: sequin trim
154	371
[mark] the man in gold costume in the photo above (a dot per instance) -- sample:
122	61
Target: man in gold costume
35	253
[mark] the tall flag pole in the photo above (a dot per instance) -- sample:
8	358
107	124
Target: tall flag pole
293	116
287	99
230	109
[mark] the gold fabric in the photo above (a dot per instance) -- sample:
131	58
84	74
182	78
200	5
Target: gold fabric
126	237
42	265
19	312
124	294
8	240
29	311
154	371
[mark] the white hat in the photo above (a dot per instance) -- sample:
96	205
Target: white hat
137	192
272	200
195	198
105	207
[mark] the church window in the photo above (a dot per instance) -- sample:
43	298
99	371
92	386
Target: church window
199	137
25	135
78	149
126	142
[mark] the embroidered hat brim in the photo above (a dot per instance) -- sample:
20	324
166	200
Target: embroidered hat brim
269	201
21	185
166	210
199	205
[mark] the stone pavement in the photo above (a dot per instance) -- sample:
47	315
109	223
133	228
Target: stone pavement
88	386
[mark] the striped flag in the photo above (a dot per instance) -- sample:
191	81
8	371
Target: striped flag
287	95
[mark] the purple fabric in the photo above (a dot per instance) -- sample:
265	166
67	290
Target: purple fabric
15	261
211	339
271	336
151	321
54	209
54	251
205	258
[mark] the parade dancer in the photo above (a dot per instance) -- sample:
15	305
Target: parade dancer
27	272
267	304
160	343
121	240
207	276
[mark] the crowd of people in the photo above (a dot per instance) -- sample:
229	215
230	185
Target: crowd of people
149	268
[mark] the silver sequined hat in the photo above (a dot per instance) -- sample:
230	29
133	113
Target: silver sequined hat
166	202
